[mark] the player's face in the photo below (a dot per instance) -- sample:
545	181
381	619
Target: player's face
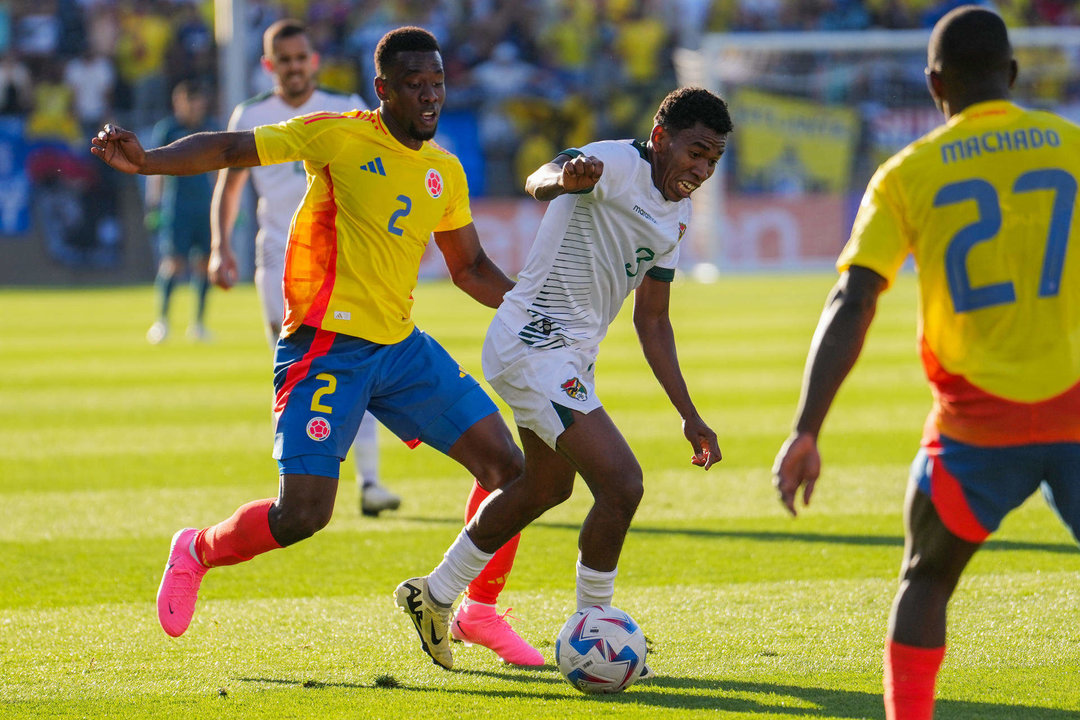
293	65
684	159
413	93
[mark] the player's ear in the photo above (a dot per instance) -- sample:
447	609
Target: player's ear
314	61
380	89
1014	70
659	136
268	64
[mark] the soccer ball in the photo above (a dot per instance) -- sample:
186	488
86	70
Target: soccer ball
600	649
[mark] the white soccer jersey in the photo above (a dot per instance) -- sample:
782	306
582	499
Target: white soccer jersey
281	187
593	249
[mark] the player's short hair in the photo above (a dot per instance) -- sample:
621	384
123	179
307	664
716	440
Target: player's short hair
687	106
969	44
403	39
191	87
284	28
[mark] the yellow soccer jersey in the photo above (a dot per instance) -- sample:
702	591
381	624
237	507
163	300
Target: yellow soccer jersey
356	240
985	204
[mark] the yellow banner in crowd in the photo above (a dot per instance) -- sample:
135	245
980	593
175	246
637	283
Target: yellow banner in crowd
794	146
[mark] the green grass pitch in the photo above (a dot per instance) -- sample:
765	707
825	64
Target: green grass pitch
108	445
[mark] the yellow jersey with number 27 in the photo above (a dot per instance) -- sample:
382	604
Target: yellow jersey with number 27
356	241
986	205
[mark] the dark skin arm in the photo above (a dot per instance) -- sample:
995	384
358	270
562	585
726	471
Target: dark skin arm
191	155
470	267
837	343
653	325
563	175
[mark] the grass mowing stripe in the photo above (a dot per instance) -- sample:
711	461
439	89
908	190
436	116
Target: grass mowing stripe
111	445
752	630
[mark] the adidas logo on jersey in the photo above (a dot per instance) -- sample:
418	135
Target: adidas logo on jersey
375	166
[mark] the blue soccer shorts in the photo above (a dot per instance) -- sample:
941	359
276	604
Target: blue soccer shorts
324	381
973	488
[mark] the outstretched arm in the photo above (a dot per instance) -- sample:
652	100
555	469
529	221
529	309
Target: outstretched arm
470	267
564	175
837	343
191	155
653	325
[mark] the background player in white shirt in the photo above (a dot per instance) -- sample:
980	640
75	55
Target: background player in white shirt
290	59
618	213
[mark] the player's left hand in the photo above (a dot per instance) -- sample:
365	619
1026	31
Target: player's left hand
797	464
581	173
703	440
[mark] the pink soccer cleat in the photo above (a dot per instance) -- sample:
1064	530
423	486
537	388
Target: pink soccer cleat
481	625
179	585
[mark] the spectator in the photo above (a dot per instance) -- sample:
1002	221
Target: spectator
140	59
16	87
91	77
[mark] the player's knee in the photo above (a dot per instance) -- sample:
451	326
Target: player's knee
550	496
622	493
293	523
168	267
501	468
930	576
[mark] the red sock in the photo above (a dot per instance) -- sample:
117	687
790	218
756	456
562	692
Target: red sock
910	673
492	579
239	538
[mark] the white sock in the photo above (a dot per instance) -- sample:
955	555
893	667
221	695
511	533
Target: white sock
594	587
365	449
460	565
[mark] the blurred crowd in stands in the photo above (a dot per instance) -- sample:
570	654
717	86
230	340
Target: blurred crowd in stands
525	78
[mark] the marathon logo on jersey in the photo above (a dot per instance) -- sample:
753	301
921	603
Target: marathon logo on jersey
644	214
433	183
375	167
318	428
575	390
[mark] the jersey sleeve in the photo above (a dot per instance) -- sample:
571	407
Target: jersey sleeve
458	213
879	240
309	137
619	159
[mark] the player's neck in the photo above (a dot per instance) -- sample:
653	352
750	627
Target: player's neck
294	100
397	131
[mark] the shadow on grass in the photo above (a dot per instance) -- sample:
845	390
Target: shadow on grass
777	536
717	695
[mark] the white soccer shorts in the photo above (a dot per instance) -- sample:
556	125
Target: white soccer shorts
268	276
539	385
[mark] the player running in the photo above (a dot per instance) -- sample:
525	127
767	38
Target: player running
618	213
290	59
378	189
985	205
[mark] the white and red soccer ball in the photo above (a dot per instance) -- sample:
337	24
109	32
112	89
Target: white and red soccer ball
600	649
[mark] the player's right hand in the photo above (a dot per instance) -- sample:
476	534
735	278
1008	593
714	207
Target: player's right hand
222	268
581	173
119	148
798	464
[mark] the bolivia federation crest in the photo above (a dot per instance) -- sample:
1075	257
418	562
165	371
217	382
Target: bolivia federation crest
433	183
318	428
575	389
